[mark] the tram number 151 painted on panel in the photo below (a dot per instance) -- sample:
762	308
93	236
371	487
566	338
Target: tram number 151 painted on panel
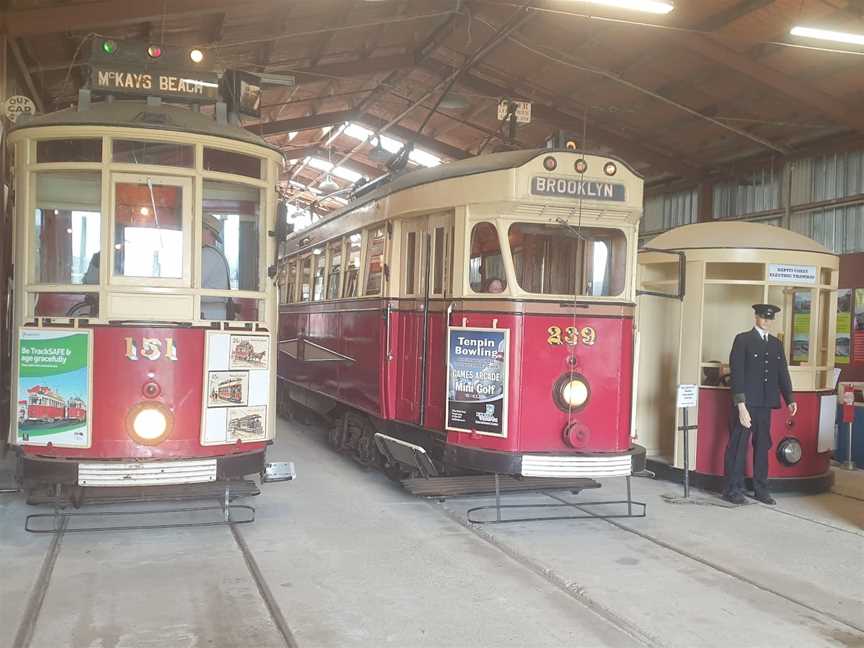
571	335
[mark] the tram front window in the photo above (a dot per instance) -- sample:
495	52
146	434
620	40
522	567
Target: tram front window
148	231
559	260
67	226
230	226
486	265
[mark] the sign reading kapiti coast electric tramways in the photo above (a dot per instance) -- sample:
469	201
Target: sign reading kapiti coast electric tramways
573	188
477	380
794	274
195	86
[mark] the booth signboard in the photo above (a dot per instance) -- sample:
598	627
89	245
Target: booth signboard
53	398
858	328
791	274
477	380
844	327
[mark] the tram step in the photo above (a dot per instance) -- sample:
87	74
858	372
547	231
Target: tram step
173	493
484	484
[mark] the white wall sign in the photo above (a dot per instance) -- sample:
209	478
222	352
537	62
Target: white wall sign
688	396
792	274
18	105
523	110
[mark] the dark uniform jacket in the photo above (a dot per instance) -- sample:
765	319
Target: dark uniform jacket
759	371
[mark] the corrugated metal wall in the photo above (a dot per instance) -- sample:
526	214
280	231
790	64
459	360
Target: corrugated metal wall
761	193
670	210
828	177
840	229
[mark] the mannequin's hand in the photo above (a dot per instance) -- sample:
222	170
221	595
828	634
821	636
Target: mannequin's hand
744	416
793	409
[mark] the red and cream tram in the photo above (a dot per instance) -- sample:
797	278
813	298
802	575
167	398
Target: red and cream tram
142	244
482	310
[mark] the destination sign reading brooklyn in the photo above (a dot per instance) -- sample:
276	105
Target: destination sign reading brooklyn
572	188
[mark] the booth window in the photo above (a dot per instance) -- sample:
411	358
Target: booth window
352	268
374	261
559	260
230	228
148	231
319	274
335	274
69	150
67	228
158	153
486	265
230	162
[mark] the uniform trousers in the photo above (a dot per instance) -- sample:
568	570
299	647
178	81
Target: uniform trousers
736	450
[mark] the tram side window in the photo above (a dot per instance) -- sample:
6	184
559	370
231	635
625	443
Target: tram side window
335	275
410	262
230	231
486	265
374	261
319	274
439	258
160	153
557	260
352	267
230	162
148	230
67	227
306	279
289	282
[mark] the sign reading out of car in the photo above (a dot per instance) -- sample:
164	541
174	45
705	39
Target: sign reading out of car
573	188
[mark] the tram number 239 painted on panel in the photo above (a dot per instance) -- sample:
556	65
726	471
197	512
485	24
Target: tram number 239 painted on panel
571	336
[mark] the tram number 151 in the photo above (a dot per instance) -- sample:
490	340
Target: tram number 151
151	349
571	336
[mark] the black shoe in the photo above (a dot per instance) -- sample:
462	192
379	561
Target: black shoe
765	498
734	498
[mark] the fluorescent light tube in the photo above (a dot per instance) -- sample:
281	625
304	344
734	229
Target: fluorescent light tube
648	6
826	34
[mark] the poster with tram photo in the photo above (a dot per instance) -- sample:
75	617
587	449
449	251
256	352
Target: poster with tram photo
477	380
53	395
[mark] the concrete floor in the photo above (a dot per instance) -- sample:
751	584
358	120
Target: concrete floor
348	559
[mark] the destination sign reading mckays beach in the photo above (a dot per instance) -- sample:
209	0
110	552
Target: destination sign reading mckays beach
193	85
573	188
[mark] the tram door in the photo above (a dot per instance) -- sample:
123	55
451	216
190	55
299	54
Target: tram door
426	257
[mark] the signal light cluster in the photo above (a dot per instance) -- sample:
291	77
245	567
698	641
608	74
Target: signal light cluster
153	51
580	166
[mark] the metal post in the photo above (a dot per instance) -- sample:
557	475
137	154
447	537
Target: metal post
629	498
227	504
497	498
686	455
850	465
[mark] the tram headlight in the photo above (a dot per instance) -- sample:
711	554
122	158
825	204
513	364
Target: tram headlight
149	423
610	168
571	392
789	451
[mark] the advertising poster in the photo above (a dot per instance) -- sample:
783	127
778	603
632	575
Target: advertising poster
237	388
801	327
858	328
844	327
477	380
54	387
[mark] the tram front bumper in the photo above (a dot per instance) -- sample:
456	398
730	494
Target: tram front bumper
561	465
32	471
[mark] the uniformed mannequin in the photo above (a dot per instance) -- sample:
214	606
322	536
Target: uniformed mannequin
214	271
759	375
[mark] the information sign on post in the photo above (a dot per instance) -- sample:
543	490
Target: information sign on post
688	396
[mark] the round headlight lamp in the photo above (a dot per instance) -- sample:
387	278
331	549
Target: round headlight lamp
149	423
550	163
610	168
571	392
789	451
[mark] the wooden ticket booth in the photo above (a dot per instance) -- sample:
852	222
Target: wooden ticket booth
698	284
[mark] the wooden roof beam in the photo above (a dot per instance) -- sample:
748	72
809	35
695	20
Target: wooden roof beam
301	123
796	89
362	67
423	141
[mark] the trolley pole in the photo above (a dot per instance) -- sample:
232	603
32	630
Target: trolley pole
688	396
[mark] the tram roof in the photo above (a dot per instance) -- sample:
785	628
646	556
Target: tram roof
458	169
739	235
139	114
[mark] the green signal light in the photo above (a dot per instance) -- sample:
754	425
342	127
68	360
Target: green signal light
109	46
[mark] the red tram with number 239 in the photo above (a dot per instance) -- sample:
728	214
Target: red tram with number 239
477	316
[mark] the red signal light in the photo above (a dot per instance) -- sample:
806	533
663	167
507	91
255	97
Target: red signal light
154	51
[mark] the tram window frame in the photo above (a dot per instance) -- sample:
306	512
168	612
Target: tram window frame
482	288
439	259
584	264
56	203
65	143
182	149
411	257
288	290
351	277
329	293
207	162
375	230
319	263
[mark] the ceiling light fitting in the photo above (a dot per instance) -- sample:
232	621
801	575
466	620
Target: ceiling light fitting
647	6
828	35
